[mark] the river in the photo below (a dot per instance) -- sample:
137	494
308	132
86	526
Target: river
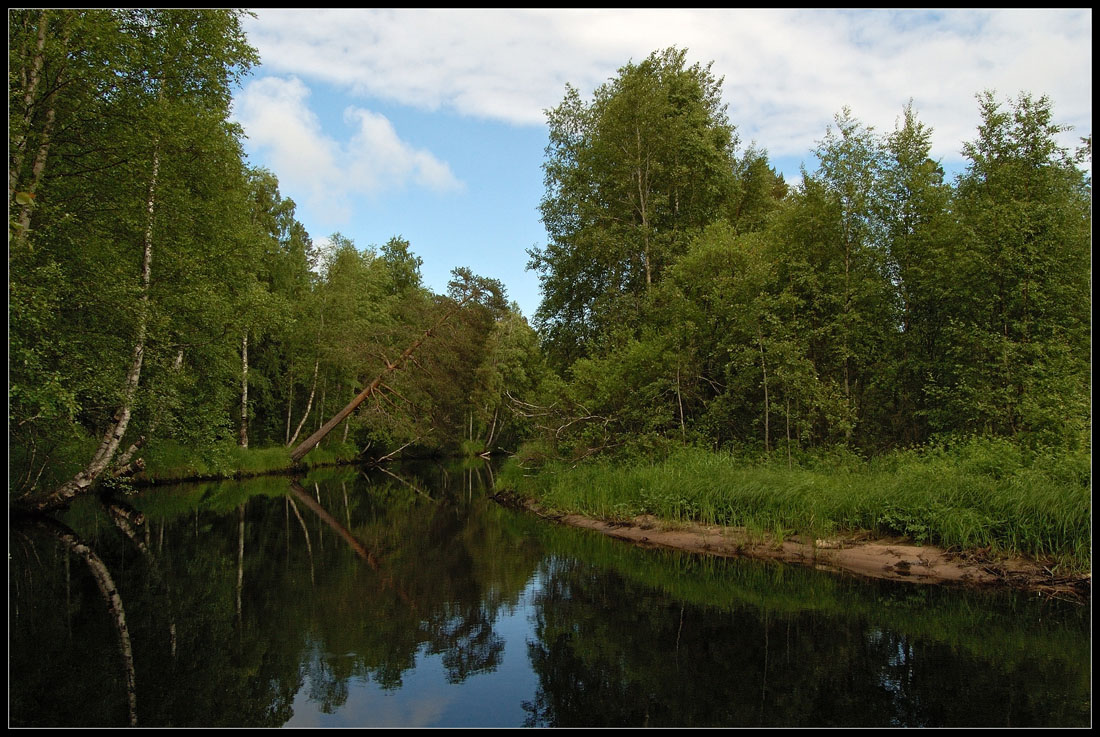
408	598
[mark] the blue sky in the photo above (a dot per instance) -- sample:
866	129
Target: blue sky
429	123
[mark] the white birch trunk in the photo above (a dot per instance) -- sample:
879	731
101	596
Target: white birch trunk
30	86
289	406
39	166
309	404
112	436
244	390
767	409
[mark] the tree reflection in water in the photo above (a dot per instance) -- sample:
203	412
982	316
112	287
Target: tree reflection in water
269	619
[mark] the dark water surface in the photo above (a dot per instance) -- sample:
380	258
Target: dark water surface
413	600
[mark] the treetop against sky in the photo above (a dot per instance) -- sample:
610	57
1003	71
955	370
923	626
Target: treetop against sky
430	124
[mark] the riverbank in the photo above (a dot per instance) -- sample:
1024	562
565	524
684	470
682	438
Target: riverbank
169	463
893	559
994	512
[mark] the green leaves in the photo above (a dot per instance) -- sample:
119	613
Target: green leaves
630	177
1023	284
124	142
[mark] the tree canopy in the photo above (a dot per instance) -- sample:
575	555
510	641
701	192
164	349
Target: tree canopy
689	293
162	292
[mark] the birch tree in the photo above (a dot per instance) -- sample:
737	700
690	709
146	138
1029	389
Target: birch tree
139	160
630	177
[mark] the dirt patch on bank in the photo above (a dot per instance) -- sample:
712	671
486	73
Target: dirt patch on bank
894	560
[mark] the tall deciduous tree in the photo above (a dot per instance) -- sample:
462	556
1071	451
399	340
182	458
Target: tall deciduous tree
140	173
856	294
1020	358
630	178
916	210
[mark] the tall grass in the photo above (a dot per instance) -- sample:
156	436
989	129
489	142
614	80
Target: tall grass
166	460
976	494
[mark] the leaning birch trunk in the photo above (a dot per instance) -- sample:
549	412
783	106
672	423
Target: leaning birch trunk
492	430
122	465
309	404
126	518
244	390
311	442
84	480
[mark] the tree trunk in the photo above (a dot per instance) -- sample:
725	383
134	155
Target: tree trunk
18	144
108	445
643	204
244	391
289	406
107	588
305	531
680	402
309	404
122	465
767	409
240	559
311	442
492	430
355	543
847	309
788	432
39	166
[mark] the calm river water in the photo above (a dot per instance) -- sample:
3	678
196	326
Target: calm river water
409	598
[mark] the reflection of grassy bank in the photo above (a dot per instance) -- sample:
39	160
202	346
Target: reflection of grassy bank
982	494
1011	631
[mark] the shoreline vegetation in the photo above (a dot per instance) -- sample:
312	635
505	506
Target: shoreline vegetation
1010	516
170	463
691	298
167	462
979	510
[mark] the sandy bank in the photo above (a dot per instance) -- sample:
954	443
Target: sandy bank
856	554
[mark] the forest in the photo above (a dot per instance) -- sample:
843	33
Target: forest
165	304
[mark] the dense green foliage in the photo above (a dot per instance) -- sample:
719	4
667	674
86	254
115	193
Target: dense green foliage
165	301
876	348
873	307
690	296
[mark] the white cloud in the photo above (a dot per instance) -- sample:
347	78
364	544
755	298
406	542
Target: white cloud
277	118
787	71
382	160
